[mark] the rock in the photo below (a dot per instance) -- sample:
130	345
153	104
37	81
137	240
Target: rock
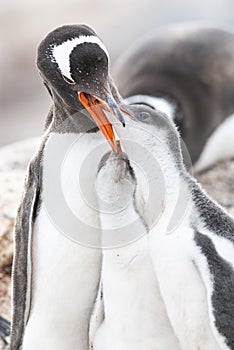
5	297
17	155
13	163
219	183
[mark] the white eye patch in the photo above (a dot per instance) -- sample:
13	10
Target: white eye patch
62	52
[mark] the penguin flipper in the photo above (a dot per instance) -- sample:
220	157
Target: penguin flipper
5	330
22	260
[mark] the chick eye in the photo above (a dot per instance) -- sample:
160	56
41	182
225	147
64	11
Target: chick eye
67	80
144	116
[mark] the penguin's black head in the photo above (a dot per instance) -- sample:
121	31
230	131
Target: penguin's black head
74	65
73	58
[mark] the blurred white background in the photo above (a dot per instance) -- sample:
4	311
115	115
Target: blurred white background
23	100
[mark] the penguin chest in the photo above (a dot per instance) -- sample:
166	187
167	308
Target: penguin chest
182	289
70	165
135	316
65	269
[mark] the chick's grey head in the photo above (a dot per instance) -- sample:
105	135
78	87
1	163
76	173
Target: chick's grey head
115	182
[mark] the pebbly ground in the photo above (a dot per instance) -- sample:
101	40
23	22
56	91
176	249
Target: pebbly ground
218	182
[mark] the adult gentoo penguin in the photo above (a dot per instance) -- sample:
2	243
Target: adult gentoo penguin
187	72
134	313
191	243
55	274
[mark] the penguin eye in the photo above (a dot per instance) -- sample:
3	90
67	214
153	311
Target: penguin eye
67	80
144	117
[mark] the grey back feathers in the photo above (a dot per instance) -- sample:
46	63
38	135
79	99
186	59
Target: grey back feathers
222	299
213	216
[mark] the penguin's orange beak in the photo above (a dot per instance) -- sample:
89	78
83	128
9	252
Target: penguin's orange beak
95	106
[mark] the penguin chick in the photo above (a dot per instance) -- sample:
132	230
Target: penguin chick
135	316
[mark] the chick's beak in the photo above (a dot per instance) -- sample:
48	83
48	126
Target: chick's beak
96	106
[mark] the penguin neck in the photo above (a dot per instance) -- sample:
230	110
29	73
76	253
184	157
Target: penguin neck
172	199
66	119
167	198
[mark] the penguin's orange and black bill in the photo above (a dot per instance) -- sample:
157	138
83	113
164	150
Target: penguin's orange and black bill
95	106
